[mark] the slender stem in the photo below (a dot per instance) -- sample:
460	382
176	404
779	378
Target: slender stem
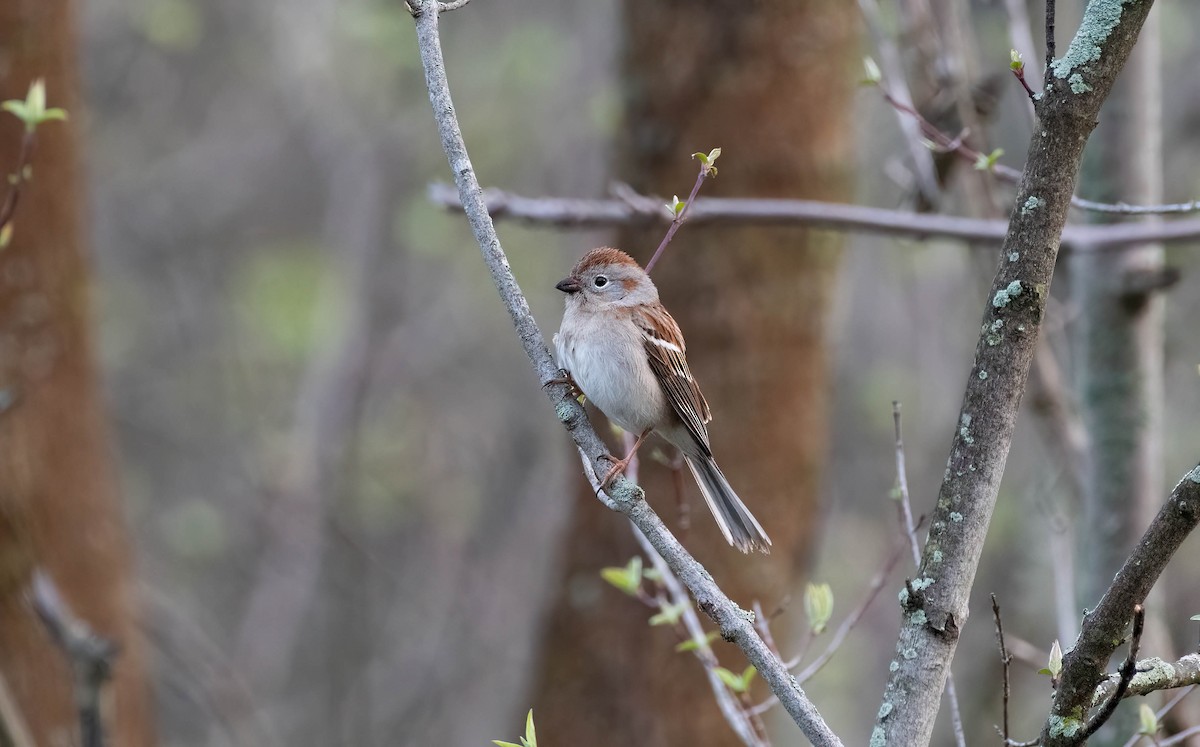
1005	662
1049	39
24	159
678	220
570	212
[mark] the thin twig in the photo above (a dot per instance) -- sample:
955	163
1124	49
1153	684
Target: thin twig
18	178
893	72
847	625
1005	661
1181	736
1020	33
1162	712
677	221
843	630
570	212
910	528
1049	39
625	495
737	717
89	654
1128	669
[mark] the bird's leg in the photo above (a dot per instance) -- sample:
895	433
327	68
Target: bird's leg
565	377
619	465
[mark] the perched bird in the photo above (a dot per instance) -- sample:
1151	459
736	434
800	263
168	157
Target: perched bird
626	354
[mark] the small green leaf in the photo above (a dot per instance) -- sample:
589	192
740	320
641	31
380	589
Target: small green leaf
702	157
627	579
32	111
1045	671
872	75
1147	720
988	162
652	574
692	644
731	680
6	235
818	605
1015	63
530	732
747	676
669	614
675	206
17	108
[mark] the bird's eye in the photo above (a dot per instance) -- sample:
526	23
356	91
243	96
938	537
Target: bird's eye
600	281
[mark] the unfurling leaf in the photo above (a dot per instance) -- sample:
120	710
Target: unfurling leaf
530	732
692	644
988	162
32	111
731	680
1147	720
1054	667
669	614
818	605
1196	617
1015	62
627	579
872	75
675	206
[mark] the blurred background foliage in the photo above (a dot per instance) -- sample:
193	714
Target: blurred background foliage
346	490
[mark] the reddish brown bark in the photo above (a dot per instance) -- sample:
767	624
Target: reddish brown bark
59	505
769	83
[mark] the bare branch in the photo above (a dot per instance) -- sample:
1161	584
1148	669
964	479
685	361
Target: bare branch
1005	662
1103	627
1049	39
89	654
893	72
569	212
735	624
1004	352
678	218
1153	675
1124	677
731	709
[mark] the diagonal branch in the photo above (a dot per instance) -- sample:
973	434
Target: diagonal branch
736	625
1103	627
937	606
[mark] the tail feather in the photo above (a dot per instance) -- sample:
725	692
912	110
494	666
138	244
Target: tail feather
738	525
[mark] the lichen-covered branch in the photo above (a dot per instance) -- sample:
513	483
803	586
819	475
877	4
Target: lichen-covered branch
935	609
736	625
1083	675
1153	675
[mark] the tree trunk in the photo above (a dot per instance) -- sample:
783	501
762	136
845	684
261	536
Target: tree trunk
59	505
768	83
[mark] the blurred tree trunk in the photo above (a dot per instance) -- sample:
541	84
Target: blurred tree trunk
59	506
770	83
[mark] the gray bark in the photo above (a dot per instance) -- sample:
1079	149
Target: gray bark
935	603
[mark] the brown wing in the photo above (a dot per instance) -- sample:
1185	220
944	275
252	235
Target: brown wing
665	350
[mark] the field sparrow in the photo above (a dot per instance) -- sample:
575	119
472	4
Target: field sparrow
626	354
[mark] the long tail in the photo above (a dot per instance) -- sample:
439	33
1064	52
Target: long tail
738	525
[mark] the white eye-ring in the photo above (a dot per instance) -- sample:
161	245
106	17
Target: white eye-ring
600	281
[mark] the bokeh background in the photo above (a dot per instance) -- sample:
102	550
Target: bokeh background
348	501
